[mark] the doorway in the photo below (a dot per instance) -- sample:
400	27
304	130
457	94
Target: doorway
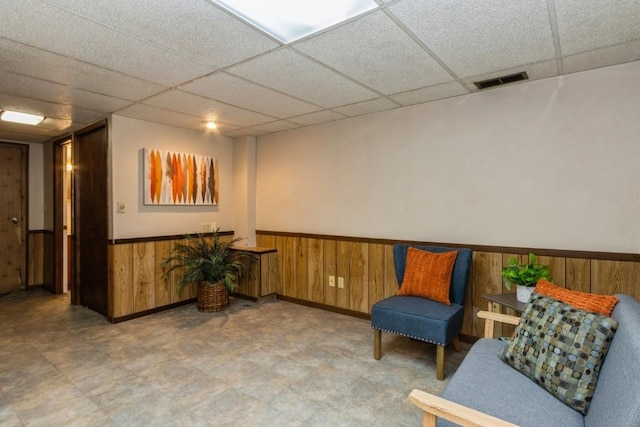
63	215
13	212
81	217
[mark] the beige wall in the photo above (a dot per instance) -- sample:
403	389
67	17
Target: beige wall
128	137
547	164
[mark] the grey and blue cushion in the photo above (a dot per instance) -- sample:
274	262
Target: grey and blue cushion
421	318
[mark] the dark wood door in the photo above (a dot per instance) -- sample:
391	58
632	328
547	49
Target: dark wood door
91	222
13	217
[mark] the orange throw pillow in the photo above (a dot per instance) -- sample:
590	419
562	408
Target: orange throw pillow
602	304
428	274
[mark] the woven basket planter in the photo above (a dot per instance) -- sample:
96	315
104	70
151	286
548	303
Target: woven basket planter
212	297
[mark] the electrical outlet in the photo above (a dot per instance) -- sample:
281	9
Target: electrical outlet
332	281
341	282
214	227
205	227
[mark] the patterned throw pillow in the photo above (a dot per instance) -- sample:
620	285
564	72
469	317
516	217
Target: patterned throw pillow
602	304
428	274
561	348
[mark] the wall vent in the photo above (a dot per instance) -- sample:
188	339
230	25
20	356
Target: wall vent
498	81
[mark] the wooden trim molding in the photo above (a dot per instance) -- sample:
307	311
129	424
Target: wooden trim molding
608	256
160	238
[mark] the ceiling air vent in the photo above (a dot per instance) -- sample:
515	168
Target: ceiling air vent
498	81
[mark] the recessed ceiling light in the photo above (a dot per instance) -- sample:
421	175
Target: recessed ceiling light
24	118
289	20
211	125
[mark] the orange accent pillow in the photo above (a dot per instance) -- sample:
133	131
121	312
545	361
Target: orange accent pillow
602	304
428	274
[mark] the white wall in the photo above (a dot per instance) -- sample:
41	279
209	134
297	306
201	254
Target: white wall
244	189
37	206
128	138
545	164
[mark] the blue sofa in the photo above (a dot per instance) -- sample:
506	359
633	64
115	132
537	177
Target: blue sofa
489	392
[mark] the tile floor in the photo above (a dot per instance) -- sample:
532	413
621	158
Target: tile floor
269	364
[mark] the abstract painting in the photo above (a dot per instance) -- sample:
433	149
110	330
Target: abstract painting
172	178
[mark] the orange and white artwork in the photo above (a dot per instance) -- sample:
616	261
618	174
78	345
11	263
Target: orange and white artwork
172	178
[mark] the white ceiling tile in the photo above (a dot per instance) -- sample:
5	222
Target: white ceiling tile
474	38
242	132
207	109
67	34
367	107
590	24
48	109
239	92
160	115
26	60
278	126
170	23
291	73
317	118
13	84
604	57
375	51
30	136
431	93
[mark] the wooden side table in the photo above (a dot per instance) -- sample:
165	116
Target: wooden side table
508	301
504	300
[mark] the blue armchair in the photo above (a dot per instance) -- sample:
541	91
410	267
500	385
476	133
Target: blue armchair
421	318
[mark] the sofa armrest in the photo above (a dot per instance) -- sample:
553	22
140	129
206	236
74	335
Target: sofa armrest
490	318
435	406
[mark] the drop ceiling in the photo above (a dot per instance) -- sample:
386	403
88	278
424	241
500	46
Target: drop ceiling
182	63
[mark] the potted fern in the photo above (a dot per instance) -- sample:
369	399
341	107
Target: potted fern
524	276
214	265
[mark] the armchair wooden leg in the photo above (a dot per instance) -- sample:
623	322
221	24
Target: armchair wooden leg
429	420
456	343
440	362
377	342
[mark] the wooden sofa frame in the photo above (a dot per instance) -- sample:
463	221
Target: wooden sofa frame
435	406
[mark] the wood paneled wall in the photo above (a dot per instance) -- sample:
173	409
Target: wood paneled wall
307	261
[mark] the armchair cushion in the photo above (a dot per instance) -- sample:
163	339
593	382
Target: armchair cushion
561	348
428	274
418	318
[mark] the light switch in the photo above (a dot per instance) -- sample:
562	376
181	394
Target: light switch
122	207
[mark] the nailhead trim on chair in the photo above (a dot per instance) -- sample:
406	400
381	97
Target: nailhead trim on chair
408	336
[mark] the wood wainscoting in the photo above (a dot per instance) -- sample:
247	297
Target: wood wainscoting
40	259
307	261
137	286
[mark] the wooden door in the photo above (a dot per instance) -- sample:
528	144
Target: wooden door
91	222
13	217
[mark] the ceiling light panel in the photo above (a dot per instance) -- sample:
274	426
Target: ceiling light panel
18	117
289	20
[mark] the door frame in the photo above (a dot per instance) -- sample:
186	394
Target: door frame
58	215
24	206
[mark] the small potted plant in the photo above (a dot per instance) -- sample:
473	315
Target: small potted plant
524	276
214	265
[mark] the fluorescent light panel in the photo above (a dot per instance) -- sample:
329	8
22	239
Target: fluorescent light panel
289	20
24	118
